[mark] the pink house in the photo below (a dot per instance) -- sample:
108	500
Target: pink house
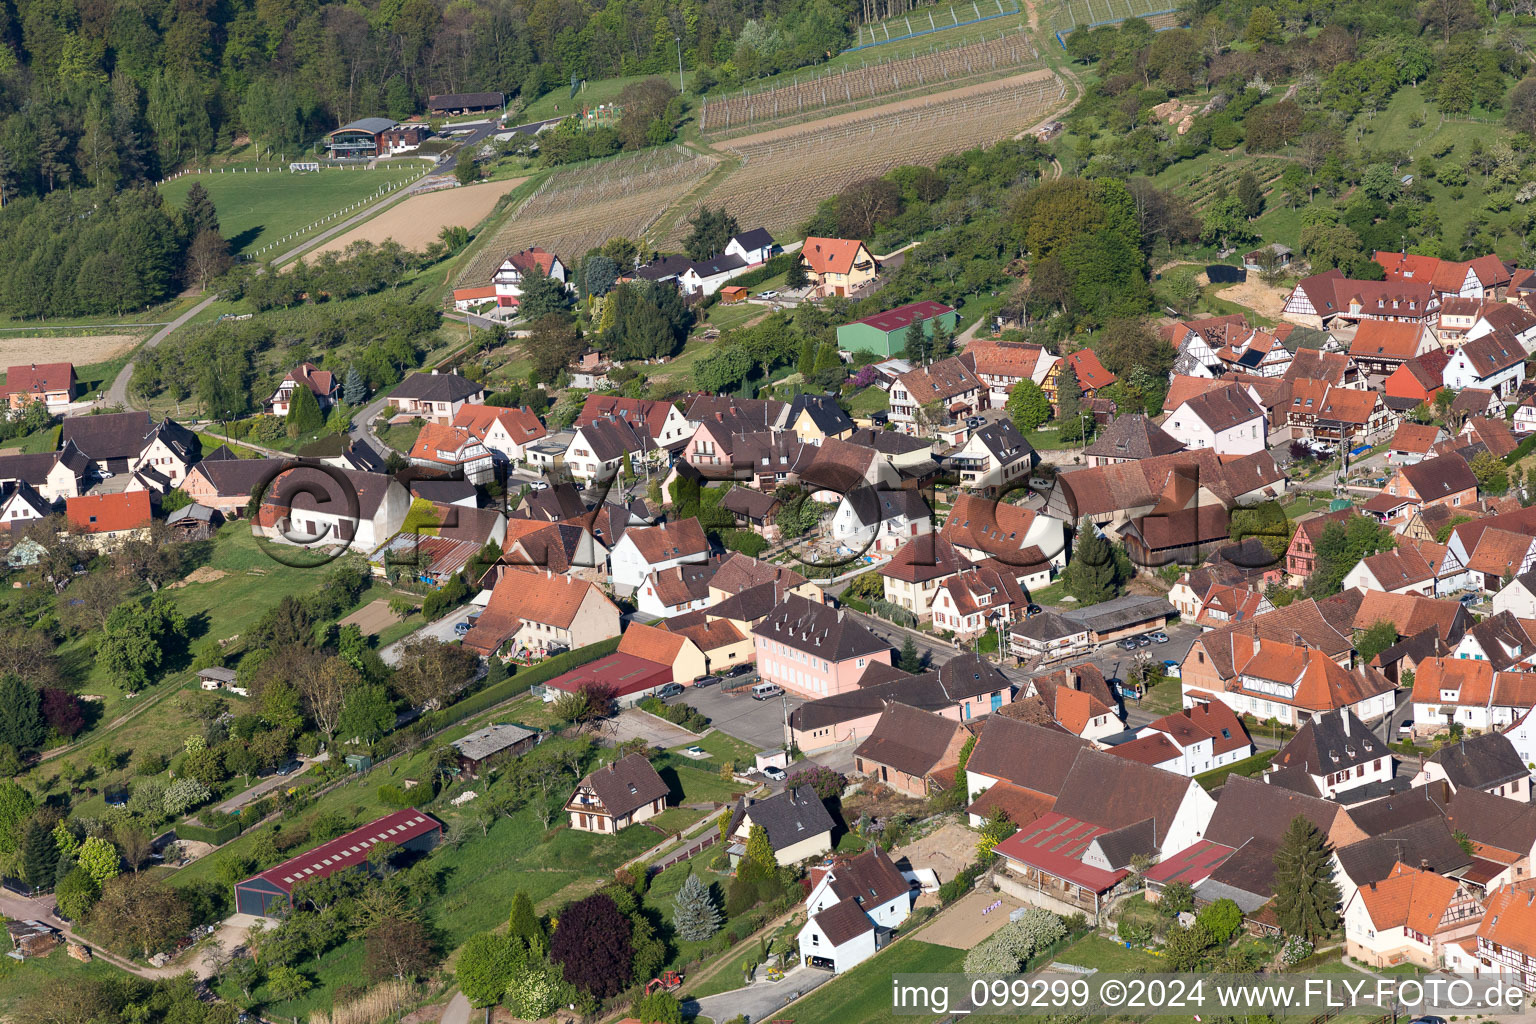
814	650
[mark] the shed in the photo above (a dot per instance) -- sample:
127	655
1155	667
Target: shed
270	892
497	742
886	333
31	938
733	293
215	677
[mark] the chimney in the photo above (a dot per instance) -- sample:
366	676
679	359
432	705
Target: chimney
434	371
1344	717
1423	863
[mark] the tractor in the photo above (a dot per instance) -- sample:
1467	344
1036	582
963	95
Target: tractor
668	982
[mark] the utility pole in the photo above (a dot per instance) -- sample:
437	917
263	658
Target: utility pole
679	63
788	739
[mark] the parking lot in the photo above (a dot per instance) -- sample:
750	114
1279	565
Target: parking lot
759	722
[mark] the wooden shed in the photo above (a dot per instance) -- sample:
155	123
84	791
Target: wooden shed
733	293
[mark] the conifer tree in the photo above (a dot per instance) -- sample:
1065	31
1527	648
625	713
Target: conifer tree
694	913
304	413
39	855
909	661
524	922
198	213
1092	575
1306	894
354	391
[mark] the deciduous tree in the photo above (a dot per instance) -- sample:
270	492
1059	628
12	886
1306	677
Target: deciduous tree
591	945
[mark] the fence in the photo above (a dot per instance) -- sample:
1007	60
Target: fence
687	850
1061	34
933	25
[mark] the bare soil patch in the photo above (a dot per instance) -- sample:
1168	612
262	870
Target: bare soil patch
969	920
82	351
948	850
372	618
416	222
1264	299
202	574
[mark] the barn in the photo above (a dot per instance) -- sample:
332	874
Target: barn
465	102
271	891
360	138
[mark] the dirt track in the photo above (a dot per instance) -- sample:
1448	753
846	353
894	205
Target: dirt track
916	103
416	222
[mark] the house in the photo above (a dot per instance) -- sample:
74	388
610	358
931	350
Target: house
1518	597
980	528
1505	939
1332	753
1525	416
53	475
493	745
740	573
53	384
1258	353
706	276
1190	742
467	299
1493	434
1495	362
935	397
814	650
601	448
311	508
271	892
987	596
909	747
722	641
676	651
454	450
753	510
1488	762
1412	442
755	246
1186	536
675	591
1274	256
1409	917
1502	832
1320	300
1350	417
879	520
1047	636
814	419
320	383
1402	570
1381	346
1443	480
1077	699
508	278
435	397
852	908
1129	439
1475	402
644	550
1500	639
20	504
217	677
886	333
1507	319
619	794
110	440
660	421
1091	375
912	576
1471	692
1021	760
228	485
837	266
1002	364
993	459
963	688
106	520
1474	279
1417	381
538	609
506	433
1111	496
457	103
798	824
167	452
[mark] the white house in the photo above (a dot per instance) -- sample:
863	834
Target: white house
508	278
597	450
1198	739
1509	317
1522	733
1409	917
506	432
1399	571
880	520
320	383
435	397
167	453
1333	752
667	593
1518	598
980	528
20	504
1489	762
647	549
754	246
54	475
994	458
309	507
1225	420
1470	692
1495	362
707	276
853	907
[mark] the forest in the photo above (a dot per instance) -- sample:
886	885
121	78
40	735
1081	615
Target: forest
113	93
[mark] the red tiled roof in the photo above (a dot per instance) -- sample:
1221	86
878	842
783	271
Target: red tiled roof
1090	372
108	513
38	378
1055	844
831	255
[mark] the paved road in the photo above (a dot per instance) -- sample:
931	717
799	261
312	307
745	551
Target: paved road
759	722
458	1011
441	631
760	1000
262	788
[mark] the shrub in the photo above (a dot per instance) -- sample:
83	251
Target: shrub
393	796
1014	943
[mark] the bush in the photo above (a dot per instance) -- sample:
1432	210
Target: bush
959	885
745	541
543	672
218	836
394	796
1014	943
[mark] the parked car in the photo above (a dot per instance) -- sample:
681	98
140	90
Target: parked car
975	422
744	669
766	691
1142	641
1406	729
1128	644
775	773
706	681
1031	610
768	294
538	485
1157	636
670	690
289	768
461	628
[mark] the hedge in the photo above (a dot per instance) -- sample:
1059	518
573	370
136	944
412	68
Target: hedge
773	268
203	834
1522	449
494	694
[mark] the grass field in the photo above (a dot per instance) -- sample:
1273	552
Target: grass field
255	210
863	995
1107	955
29	977
559	102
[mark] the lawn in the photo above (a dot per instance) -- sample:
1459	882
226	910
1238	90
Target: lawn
692	784
863	995
1163	698
401	437
559	103
1249	766
721	748
1107	954
258	209
30	977
729	317
870	400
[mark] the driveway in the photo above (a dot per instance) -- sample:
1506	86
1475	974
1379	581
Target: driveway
441	631
758	722
262	788
760	1000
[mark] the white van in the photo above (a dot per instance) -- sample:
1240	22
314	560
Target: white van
766	691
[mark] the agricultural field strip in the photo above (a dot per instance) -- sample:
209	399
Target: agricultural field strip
886	78
596	201
784	177
959	15
1104	12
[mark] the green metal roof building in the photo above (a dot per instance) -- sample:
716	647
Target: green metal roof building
886	333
